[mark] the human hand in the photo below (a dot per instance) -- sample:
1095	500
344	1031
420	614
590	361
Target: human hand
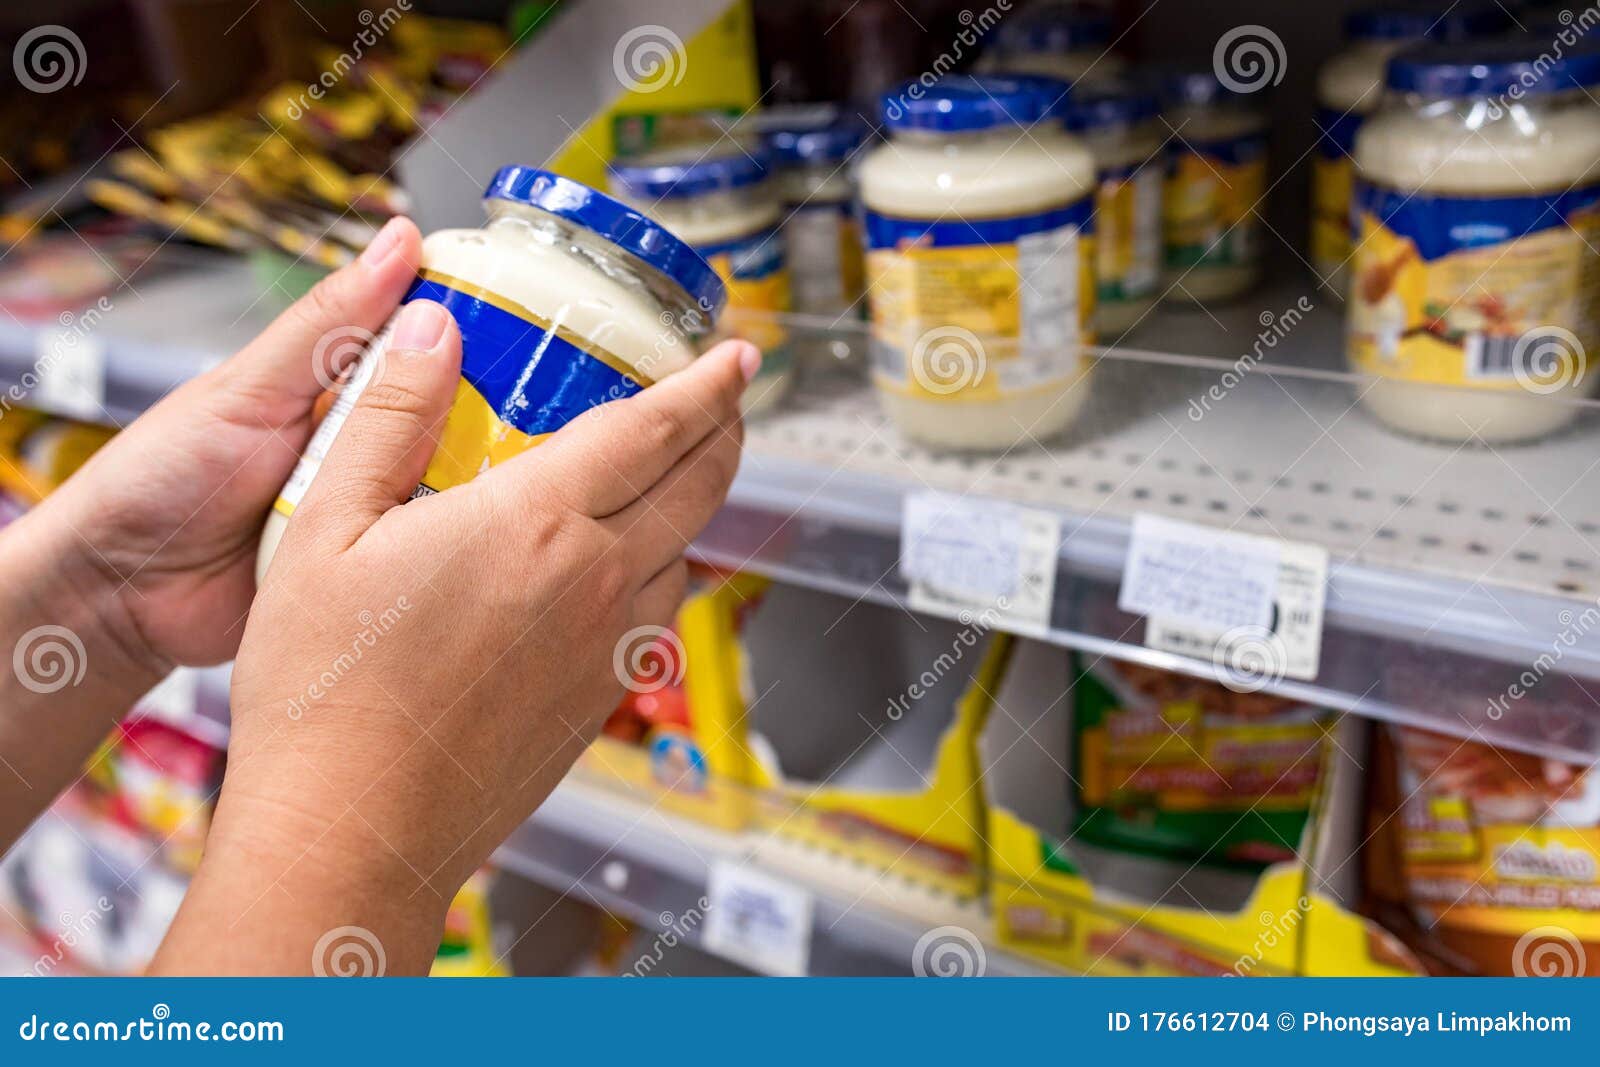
415	679
167	516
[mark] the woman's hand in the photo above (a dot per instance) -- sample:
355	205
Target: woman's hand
415	679
144	558
169	513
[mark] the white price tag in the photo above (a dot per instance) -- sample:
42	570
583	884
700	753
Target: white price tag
71	367
758	920
1198	575
1251	605
961	555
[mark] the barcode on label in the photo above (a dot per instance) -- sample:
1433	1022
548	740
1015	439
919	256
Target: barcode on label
1496	357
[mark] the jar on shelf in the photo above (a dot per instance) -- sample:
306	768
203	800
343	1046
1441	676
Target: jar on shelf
978	215
1476	266
1056	39
726	205
1216	181
1349	89
1121	125
814	149
565	299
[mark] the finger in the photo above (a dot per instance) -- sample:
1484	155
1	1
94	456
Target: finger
658	602
656	528
306	349
383	448
606	460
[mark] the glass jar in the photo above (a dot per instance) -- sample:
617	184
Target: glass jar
1216	179
565	299
1056	39
1121	125
978	216
727	207
1478	207
814	148
1349	89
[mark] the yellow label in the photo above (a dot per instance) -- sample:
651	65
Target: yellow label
1127	234
1437	298
1209	205
1331	183
957	318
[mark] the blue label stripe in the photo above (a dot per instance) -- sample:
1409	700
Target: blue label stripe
1339	131
533	378
889	231
754	256
1440	225
1234	151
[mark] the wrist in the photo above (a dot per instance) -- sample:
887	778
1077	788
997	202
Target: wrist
54	578
295	890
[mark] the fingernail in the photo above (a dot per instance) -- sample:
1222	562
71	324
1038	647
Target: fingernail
420	326
749	361
383	245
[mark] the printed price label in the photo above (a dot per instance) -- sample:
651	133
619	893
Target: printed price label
71	366
1251	605
981	557
757	920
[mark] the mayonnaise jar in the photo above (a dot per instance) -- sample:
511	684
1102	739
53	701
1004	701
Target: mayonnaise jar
566	299
1478	203
980	262
1121	126
1216	179
726	205
1055	39
1349	89
814	150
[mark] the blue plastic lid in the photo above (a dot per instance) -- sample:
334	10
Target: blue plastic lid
1109	104
965	102
1437	20
684	173
1490	69
809	133
1054	26
616	222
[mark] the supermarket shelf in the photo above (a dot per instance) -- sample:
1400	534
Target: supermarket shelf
1456	569
653	868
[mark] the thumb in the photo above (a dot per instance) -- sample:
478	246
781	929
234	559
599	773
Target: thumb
406	381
